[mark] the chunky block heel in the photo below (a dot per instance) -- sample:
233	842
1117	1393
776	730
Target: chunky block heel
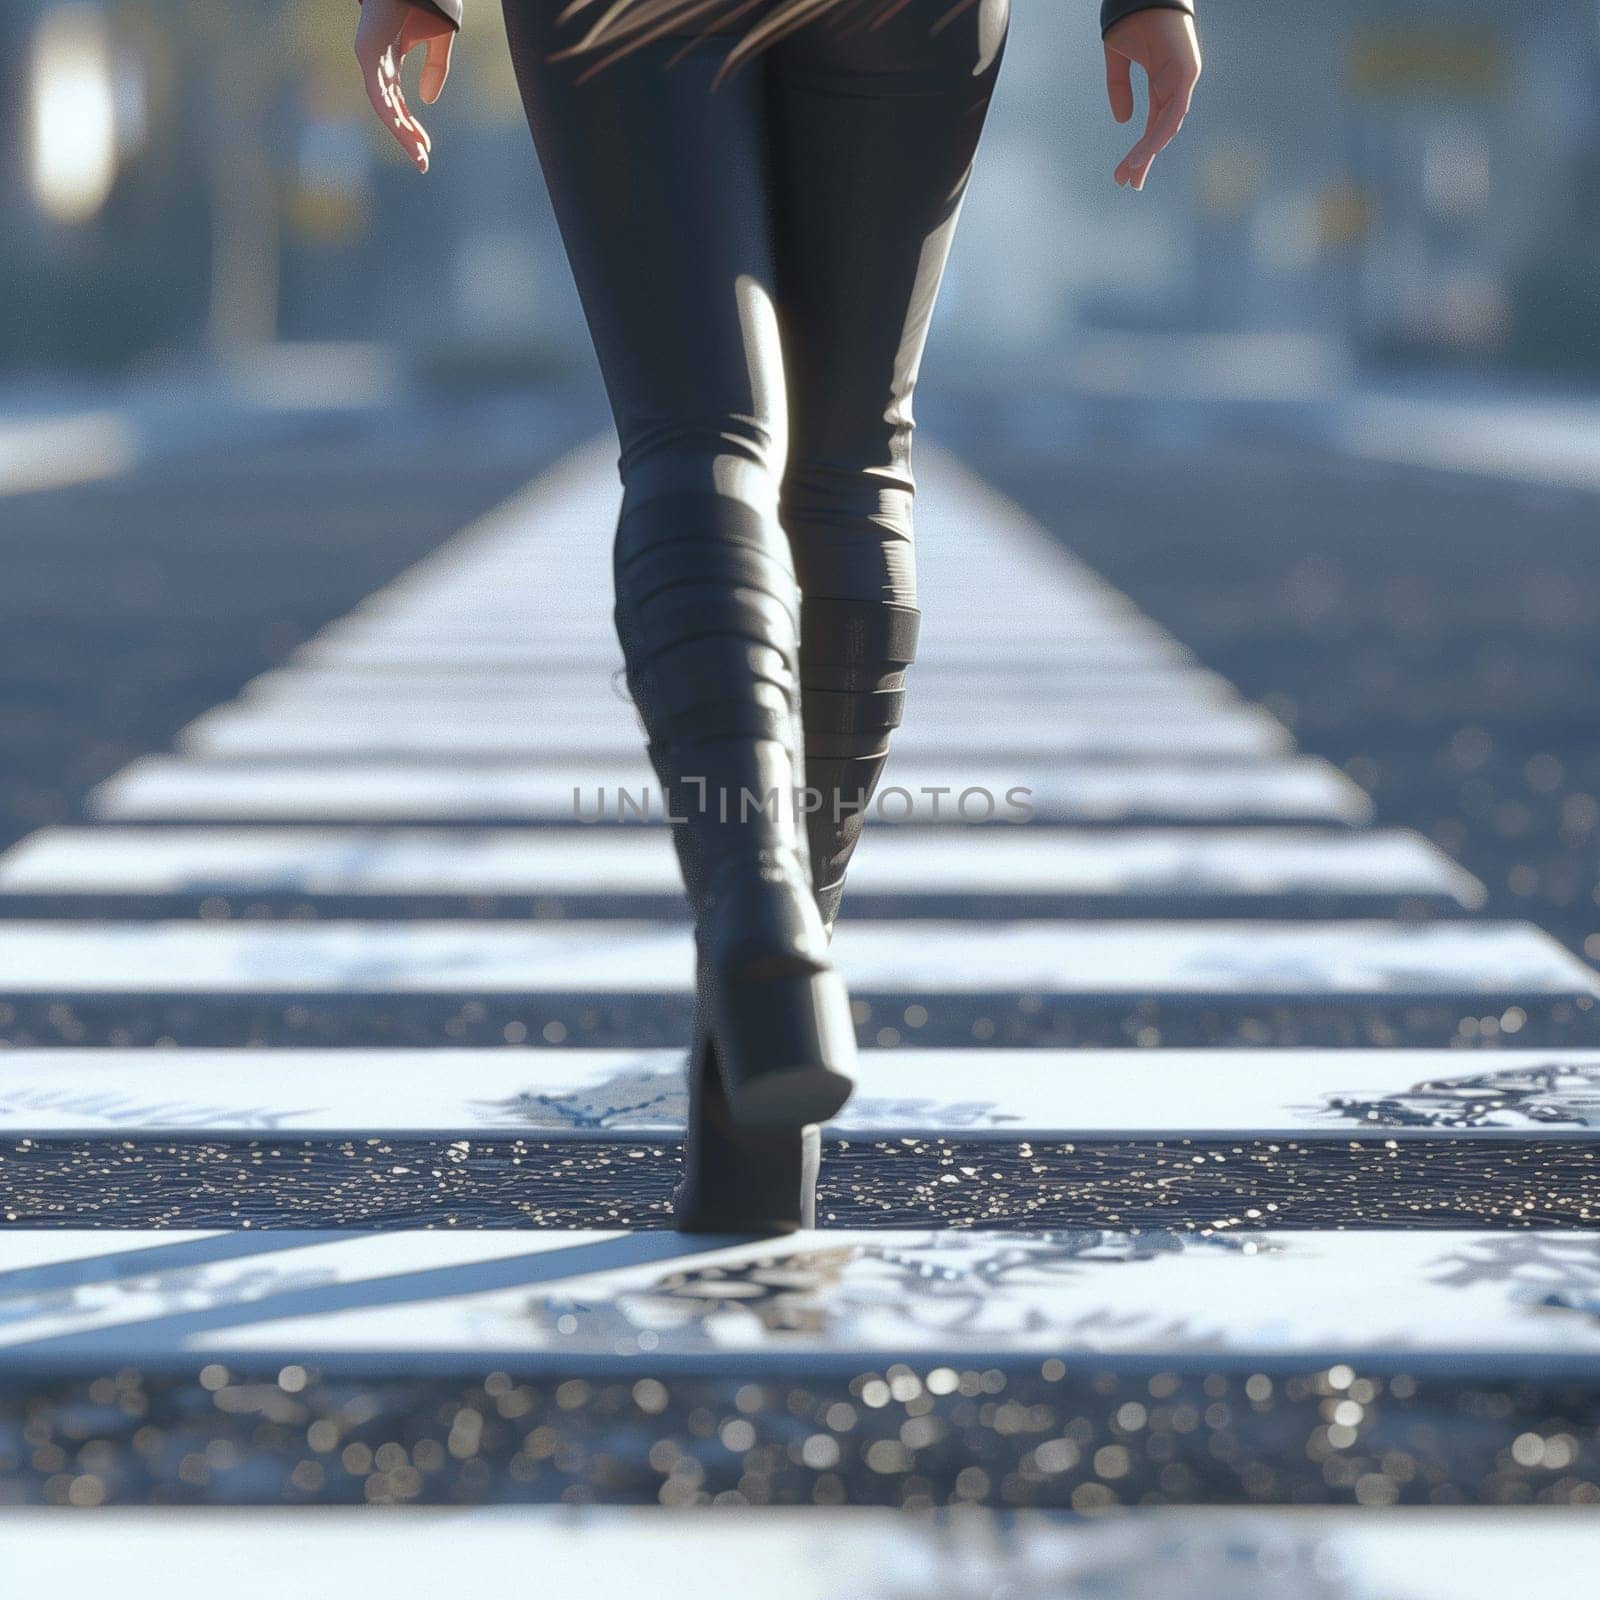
737	1179
785	1047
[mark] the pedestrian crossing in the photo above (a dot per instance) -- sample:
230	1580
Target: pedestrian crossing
1240	1555
343	1095
939	1299
612	730
1141	690
547	792
1072	960
570	871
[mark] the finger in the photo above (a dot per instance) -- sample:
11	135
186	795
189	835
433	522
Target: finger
1138	157
1128	165
395	83
394	87
1163	131
1169	105
396	73
383	89
436	69
419	133
376	55
1119	84
378	94
1177	95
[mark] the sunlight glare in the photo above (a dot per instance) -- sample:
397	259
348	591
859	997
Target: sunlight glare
72	115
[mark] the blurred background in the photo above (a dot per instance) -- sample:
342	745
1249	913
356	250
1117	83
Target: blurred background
1325	398
1377	183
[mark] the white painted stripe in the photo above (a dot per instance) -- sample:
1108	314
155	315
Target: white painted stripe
561	691
876	1297
1302	790
564	713
1135	863
1037	1094
529	599
937	680
1322	960
29	1248
607	726
541	580
544	585
582	616
304	1259
1019	655
490	623
1437	1553
585	617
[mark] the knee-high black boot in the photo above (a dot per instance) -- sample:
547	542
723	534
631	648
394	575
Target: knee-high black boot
707	614
854	657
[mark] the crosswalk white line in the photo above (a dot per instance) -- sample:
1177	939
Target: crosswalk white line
608	727
1427	1096
935	649
597	1301
933	681
1300	790
522	594
1131	864
121	1303
1351	1553
1152	960
592	626
561	690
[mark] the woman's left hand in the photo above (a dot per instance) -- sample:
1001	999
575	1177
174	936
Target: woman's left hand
388	32
1164	43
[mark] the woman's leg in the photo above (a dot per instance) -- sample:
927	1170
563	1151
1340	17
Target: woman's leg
660	186
872	133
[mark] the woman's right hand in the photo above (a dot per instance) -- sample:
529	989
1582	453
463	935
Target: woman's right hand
1163	42
389	31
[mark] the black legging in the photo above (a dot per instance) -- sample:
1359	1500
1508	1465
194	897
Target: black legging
758	263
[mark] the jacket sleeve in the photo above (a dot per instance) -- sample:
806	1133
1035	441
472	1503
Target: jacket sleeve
1113	11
